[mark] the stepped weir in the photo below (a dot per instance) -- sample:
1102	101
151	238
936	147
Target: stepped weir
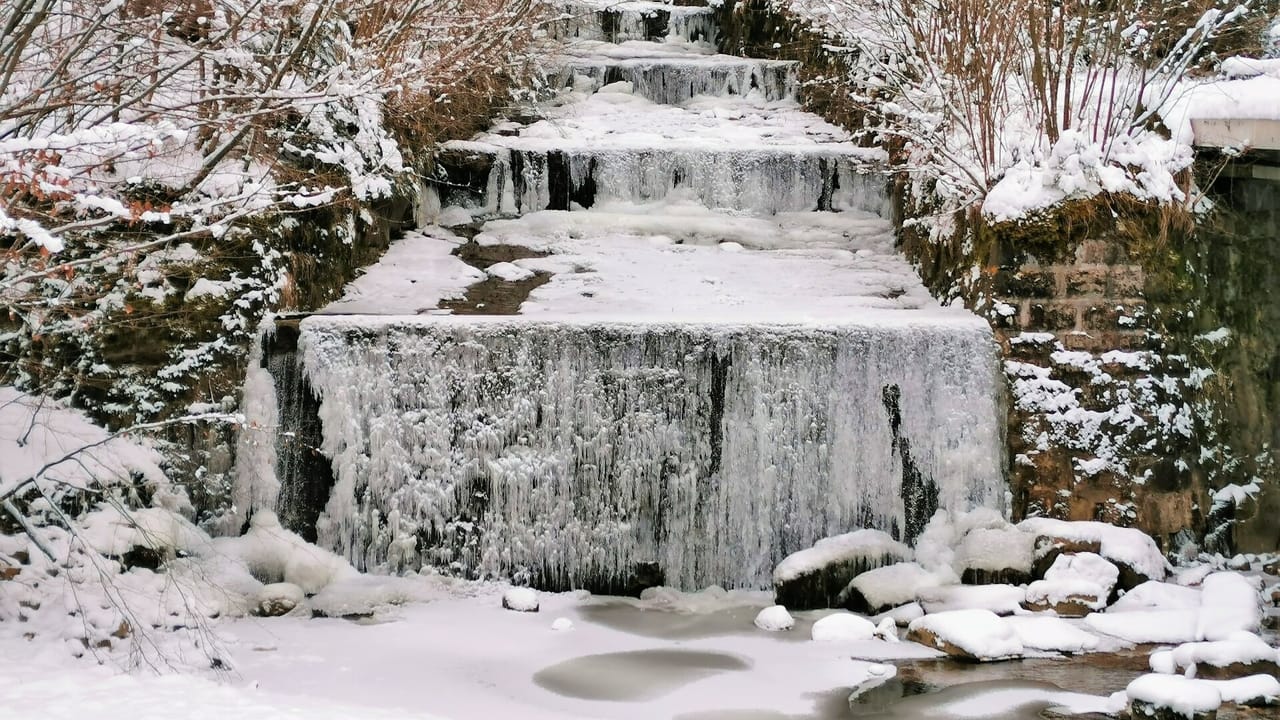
655	332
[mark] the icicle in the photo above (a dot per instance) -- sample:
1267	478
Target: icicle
570	452
255	485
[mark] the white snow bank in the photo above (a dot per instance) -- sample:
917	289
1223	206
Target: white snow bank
40	435
999	599
1181	695
1122	545
114	532
274	554
856	546
935	547
1051	634
893	585
980	633
843	627
774	618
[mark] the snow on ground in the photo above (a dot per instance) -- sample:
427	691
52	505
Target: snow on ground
36	432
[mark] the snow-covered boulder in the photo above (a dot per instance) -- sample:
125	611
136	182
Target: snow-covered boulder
520	599
1141	627
974	635
814	578
1051	634
274	554
1132	551
843	627
998	599
876	591
1171	697
995	556
1230	602
1157	595
775	618
1074	586
278	599
1240	655
145	537
887	630
562	624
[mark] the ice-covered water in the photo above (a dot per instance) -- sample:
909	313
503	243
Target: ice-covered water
766	180
623	21
672	82
568	452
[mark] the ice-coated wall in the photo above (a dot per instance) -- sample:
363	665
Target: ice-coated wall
568	452
671	83
634	21
494	180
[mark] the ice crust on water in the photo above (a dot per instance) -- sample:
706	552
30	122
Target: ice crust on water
715	450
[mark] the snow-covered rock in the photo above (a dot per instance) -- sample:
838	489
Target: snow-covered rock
1240	655
1167	697
1002	555
887	630
520	599
1147	626
1154	595
1132	551
903	614
1074	586
999	599
775	618
274	554
878	590
843	627
1051	634
1230	602
814	578
976	635
562	624
278	599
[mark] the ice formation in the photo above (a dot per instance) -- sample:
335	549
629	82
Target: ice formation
713	375
570	451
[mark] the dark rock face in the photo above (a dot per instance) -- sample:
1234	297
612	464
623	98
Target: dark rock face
919	493
1007	576
306	476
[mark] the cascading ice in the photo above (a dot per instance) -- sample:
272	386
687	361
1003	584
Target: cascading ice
505	181
568	452
673	82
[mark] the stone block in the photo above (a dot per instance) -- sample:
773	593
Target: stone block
1052	316
1025	283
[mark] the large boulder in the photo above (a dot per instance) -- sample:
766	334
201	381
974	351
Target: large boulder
815	578
1241	655
278	599
891	586
1132	551
995	556
1074	586
1171	697
971	635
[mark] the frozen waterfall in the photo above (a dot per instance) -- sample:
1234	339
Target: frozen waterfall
569	452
